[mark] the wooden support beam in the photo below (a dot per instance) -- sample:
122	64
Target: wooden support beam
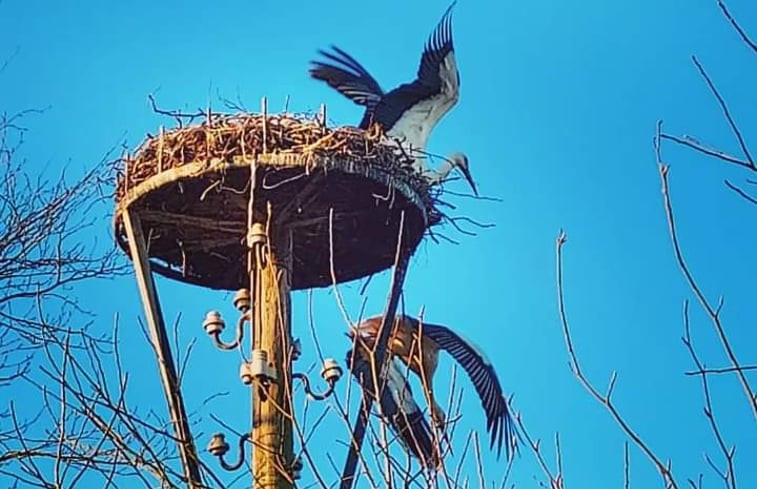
272	455
161	345
381	357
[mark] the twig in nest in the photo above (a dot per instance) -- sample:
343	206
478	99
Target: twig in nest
181	117
284	181
472	196
473	222
453	221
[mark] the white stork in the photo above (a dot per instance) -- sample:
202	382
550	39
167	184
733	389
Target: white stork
398	407
423	356
411	111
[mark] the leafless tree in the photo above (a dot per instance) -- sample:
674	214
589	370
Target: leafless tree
720	459
44	248
83	428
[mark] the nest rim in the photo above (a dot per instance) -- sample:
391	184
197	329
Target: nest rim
356	170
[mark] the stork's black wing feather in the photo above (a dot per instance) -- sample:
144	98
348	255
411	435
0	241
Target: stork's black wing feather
438	46
345	74
499	422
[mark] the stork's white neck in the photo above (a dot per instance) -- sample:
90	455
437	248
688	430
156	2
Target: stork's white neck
439	175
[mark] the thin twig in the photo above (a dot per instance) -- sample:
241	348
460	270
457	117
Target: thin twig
726	112
736	26
626	466
729	477
535	446
724	370
604	399
740	192
697	146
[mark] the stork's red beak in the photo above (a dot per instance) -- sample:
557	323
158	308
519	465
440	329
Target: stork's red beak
469	178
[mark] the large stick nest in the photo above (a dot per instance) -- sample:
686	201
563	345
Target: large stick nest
341	191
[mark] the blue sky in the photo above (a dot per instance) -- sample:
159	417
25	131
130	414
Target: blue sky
557	112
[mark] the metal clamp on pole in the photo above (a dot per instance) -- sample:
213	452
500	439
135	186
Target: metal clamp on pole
331	373
218	448
214	326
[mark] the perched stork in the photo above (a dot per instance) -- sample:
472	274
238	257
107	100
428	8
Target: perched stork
411	111
398	407
417	344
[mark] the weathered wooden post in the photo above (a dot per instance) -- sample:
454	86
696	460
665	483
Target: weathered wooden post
160	343
271	283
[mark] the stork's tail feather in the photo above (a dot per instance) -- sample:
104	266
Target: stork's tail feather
416	435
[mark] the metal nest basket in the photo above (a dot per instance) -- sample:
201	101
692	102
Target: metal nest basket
342	192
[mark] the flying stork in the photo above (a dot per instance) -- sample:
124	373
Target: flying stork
398	407
411	111
423	357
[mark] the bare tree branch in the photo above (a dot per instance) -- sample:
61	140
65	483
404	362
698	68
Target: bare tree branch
692	143
739	30
726	112
711	311
604	399
728	476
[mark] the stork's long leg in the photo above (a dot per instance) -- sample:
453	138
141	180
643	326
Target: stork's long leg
425	366
437	413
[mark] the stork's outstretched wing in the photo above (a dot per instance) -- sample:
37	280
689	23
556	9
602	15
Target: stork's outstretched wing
425	100
499	422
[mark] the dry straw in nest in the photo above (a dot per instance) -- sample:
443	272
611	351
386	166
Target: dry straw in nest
231	137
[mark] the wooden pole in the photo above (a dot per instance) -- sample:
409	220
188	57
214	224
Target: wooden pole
270	270
272	454
160	343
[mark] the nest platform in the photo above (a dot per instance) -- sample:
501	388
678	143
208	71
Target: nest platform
341	191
